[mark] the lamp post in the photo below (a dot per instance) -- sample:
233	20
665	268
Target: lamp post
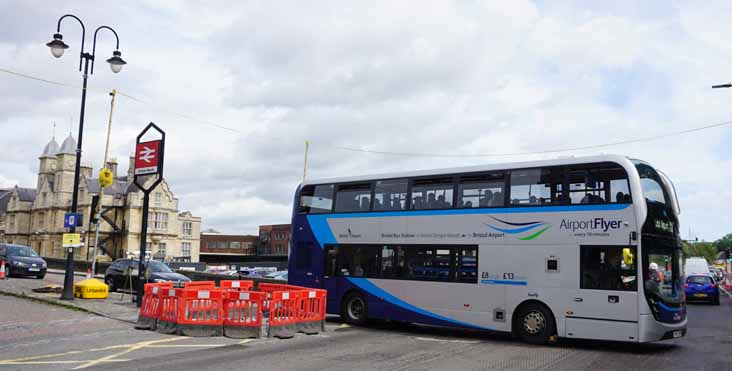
58	46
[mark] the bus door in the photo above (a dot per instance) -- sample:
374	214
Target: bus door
606	304
329	280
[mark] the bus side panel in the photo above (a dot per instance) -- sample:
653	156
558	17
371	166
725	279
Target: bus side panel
304	246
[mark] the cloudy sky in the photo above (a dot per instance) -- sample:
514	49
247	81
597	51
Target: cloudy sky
239	87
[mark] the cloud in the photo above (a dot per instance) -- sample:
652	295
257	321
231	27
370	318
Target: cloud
441	77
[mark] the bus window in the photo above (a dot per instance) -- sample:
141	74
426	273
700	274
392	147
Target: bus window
604	268
331	256
316	199
427	264
432	193
388	267
358	261
598	184
481	191
533	187
390	195
353	197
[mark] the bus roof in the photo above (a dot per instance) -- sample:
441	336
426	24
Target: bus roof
622	160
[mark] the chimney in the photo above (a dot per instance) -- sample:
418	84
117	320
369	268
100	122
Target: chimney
131	169
112	165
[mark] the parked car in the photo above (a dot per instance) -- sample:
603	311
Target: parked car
701	287
119	273
22	261
280	275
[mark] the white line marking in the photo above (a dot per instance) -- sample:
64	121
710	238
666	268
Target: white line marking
448	340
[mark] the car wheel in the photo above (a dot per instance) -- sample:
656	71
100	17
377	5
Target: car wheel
715	301
354	309
535	324
110	282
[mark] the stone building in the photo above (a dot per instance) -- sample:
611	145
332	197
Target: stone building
34	217
274	240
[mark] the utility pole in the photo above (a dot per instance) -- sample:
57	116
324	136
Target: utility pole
305	164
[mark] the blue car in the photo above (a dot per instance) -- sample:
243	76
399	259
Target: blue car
701	287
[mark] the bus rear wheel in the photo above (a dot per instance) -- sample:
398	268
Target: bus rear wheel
354	309
535	324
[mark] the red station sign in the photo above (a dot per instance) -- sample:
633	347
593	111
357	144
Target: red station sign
148	158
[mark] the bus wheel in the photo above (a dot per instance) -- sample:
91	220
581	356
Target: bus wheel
535	324
354	309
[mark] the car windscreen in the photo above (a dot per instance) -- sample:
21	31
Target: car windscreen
704	280
158	267
22	251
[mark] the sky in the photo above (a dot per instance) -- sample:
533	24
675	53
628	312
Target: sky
240	86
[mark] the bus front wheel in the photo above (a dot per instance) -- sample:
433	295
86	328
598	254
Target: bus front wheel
354	309
536	324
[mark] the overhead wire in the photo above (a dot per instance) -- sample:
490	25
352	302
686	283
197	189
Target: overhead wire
394	153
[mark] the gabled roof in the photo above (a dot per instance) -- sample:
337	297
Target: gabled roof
26	194
4	200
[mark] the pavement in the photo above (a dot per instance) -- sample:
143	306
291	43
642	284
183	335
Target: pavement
36	336
117	306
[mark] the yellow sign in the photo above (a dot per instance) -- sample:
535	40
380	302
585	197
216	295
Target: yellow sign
105	178
71	240
91	289
627	256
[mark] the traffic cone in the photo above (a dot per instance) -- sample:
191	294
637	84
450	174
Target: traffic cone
2	270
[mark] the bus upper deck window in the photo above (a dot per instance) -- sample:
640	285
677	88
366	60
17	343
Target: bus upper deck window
316	199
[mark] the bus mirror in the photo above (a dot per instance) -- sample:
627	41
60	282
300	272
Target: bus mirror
627	256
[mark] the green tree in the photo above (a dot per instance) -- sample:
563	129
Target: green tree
706	250
724	243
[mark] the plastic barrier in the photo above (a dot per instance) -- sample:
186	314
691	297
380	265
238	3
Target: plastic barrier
283	314
311	316
243	314
169	309
200	311
242	285
151	305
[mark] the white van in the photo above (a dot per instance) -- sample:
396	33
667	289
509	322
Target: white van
696	265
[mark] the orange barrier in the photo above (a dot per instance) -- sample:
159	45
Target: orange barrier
169	309
311	316
243	314
151	305
242	285
200	311
283	314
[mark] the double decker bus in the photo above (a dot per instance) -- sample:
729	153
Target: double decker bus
582	247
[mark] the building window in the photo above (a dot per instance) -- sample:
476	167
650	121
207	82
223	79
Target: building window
161	248
11	222
158	199
235	245
187	228
160	221
185	249
222	244
41	219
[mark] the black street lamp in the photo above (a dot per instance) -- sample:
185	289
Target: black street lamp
58	46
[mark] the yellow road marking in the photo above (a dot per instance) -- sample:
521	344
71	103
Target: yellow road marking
132	348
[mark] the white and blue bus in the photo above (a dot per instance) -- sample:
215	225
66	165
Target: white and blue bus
578	248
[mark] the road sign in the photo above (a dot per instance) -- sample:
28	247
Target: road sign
72	220
71	240
148	157
105	178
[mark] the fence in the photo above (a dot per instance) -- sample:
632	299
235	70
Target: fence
232	309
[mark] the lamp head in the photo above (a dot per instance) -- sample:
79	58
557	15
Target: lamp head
57	45
116	62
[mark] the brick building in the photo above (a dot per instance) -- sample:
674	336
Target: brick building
225	248
274	240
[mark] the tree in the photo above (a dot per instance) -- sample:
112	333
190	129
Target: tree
702	249
724	243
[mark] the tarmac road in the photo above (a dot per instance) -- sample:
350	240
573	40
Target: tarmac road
36	336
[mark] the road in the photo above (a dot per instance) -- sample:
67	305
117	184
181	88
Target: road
36	336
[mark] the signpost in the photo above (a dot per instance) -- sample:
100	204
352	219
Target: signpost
72	220
149	158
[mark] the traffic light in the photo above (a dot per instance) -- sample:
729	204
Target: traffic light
95	205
